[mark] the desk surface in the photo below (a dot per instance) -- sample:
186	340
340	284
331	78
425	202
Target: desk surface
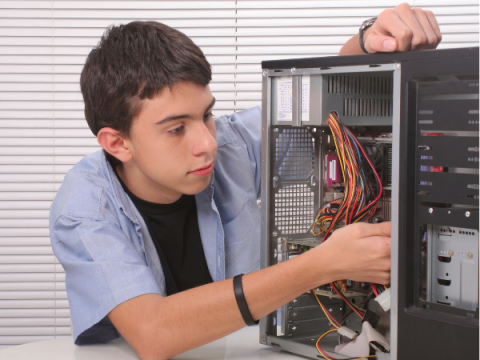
240	345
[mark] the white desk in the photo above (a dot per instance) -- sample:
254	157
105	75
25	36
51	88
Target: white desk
241	345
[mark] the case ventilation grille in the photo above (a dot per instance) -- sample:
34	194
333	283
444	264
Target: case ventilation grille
294	154
360	84
294	209
294	160
367	107
380	104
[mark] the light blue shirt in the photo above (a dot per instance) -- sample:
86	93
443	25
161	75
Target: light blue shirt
104	246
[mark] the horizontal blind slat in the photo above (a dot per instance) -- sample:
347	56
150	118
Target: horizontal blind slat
34	322
20	260
33	295
4	232
24	250
33	304
33	241
31	276
31	268
34	313
32	286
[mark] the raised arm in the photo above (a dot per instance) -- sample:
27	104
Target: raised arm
399	29
159	328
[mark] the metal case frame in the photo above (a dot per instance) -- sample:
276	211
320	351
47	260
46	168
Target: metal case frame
411	318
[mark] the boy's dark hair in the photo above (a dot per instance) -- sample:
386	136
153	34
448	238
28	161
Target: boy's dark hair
133	62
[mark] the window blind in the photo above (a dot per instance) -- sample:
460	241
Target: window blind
268	29
43	133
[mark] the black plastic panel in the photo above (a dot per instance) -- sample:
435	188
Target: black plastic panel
449	151
448	188
447	217
451	115
427	330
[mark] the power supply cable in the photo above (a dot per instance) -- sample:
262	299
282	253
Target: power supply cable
360	199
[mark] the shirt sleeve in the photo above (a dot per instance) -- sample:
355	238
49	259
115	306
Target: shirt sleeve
247	125
103	269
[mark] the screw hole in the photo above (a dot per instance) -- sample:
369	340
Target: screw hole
446	274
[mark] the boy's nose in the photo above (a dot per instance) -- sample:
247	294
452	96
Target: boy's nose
205	141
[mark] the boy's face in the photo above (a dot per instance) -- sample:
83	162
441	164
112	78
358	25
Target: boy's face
172	144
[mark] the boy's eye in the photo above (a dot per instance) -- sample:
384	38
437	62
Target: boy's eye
208	116
177	130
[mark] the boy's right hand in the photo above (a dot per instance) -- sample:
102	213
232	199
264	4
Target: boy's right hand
359	252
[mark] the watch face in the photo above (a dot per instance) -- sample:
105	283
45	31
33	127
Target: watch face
368	23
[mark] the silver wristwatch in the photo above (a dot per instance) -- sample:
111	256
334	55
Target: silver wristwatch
365	25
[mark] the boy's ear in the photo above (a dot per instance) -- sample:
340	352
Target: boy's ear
111	141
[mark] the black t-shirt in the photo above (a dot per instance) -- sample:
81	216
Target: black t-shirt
175	233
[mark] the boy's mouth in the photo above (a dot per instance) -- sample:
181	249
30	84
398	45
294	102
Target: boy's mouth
203	171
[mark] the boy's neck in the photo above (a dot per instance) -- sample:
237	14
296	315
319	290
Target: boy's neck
144	188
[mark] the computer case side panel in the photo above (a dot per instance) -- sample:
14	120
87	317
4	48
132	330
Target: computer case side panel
439	118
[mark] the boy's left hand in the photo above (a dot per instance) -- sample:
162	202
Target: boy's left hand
403	29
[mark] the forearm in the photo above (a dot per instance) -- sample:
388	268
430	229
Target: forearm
159	328
172	325
351	47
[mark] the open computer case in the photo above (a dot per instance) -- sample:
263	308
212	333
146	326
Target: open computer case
416	116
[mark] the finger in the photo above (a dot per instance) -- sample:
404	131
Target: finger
364	230
383	240
383	229
381	43
416	37
380	246
383	278
377	277
389	33
431	37
434	24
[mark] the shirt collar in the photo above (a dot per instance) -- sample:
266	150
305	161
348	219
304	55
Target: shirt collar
121	197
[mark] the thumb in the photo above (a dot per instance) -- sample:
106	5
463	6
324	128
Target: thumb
381	43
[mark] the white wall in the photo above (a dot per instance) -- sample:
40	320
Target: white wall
43	45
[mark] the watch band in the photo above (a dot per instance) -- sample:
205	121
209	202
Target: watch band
241	302
365	25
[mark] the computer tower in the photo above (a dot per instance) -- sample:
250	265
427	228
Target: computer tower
420	112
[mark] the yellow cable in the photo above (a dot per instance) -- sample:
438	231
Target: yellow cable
325	356
339	154
326	314
344	157
320	338
358	307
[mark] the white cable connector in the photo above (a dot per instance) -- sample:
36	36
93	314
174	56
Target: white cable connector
384	300
348	333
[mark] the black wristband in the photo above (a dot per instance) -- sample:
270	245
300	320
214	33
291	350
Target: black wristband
362	45
366	24
241	302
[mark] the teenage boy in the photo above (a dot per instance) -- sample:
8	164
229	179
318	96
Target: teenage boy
149	229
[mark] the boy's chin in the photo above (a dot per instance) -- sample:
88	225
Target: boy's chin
199	187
